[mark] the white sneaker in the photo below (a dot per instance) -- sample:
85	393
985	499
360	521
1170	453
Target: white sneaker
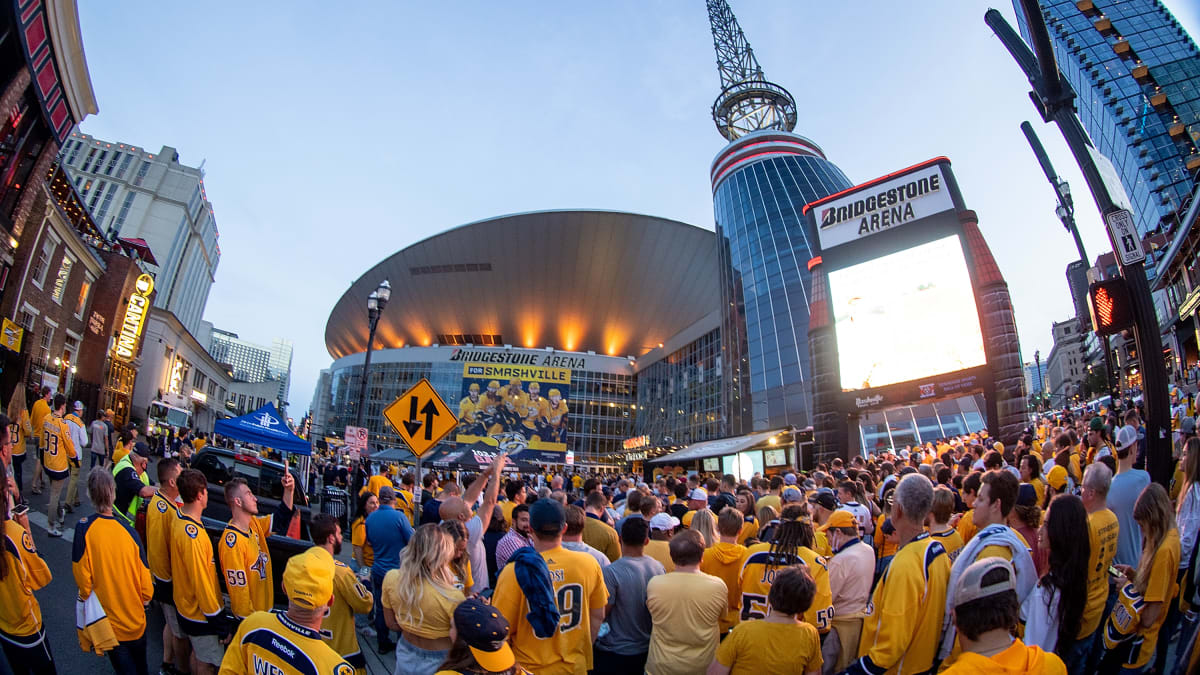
55	532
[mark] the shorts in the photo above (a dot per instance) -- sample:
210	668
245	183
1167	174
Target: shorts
171	618
207	648
413	660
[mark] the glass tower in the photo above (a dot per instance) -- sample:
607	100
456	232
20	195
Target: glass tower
761	182
1136	73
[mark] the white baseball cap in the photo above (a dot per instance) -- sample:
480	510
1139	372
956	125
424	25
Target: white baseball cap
664	521
1126	436
698	494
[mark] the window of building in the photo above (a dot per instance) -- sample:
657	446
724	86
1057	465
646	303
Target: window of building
108	197
87	163
129	197
112	164
43	263
44	345
74	152
60	281
142	171
87	186
212	388
25	320
124	166
96	195
85	289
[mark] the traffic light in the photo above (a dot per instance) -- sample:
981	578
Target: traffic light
1111	308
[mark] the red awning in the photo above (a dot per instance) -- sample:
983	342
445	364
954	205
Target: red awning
140	247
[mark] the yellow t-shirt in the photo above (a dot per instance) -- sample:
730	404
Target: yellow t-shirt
1103	529
121	451
749	529
41	411
19	430
578	587
884	546
904	618
951	540
577	481
507	507
769	500
56	439
246	563
358	537
265	640
1039	488
686	609
374	483
660	551
753	648
194	577
160	522
724	561
759	567
1161	587
432	617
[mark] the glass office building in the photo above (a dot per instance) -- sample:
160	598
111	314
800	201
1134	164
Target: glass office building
761	183
896	428
1137	76
679	396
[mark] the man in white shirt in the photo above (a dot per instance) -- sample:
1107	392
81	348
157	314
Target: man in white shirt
79	438
851	570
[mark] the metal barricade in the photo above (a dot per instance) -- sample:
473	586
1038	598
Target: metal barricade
336	502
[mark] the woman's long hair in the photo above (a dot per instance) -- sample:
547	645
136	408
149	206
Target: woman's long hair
4	516
705	523
1190	468
458	561
16	404
1153	514
1068	569
425	561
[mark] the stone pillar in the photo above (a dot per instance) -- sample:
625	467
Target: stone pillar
829	426
1000	342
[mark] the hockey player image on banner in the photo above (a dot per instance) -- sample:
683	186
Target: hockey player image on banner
530	411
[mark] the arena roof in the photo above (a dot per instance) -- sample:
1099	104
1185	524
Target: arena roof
605	281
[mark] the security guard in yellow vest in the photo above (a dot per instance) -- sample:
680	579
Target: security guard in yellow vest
133	483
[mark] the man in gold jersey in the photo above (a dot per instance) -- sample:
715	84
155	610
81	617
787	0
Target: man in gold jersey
469	409
1103	529
491	404
245	560
556	417
514	403
350	597
161	514
534	413
579	594
194	586
904	619
59	451
290	643
41	410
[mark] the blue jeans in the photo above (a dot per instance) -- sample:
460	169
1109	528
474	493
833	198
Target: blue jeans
412	660
1080	651
129	658
381	630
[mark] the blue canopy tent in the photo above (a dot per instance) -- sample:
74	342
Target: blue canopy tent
264	427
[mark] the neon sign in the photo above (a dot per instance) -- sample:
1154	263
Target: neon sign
135	318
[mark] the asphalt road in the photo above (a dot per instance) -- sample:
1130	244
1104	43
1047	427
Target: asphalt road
57	599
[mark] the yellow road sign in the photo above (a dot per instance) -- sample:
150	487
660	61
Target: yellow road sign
421	417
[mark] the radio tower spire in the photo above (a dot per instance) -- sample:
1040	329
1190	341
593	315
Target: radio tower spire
748	102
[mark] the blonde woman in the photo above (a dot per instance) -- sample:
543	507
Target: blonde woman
1155	576
705	523
419	600
19	429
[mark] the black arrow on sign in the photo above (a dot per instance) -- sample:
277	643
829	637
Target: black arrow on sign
430	411
412	423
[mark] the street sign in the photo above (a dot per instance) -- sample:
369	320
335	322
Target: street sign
421	417
356	438
1126	243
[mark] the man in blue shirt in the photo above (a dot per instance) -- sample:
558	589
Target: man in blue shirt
1127	485
388	532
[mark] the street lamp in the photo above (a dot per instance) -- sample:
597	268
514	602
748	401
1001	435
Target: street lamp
376	301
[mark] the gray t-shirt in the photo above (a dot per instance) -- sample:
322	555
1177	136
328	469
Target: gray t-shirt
1122	495
629	621
580	547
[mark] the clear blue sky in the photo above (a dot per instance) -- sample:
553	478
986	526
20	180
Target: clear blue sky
337	133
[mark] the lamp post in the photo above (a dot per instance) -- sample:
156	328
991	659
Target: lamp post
1037	360
376	301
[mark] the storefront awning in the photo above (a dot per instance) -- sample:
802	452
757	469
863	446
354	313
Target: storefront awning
717	448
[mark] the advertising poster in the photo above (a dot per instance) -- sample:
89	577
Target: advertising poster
514	407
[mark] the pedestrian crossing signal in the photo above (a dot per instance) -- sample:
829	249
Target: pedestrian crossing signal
1111	308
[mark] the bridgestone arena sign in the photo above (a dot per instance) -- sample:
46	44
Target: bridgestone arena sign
880	207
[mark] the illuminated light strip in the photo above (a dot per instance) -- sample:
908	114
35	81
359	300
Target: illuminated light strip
1104	306
734	150
876	181
814	262
741	162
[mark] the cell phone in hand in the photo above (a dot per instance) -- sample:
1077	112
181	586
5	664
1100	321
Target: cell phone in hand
1115	572
20	510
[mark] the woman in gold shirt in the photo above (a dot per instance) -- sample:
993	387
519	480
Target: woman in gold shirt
19	428
364	555
22	571
419	600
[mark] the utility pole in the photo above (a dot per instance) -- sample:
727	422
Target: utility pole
1053	97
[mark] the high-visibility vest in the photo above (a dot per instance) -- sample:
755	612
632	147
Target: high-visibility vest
130	514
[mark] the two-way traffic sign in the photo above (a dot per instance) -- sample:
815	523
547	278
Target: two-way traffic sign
421	417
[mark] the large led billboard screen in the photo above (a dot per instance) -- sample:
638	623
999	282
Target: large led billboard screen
514	406
906	315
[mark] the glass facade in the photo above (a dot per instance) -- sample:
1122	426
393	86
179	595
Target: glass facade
601	407
679	397
909	425
764	247
1137	76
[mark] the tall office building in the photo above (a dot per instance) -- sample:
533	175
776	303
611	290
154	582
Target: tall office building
1136	73
252	362
761	182
135	194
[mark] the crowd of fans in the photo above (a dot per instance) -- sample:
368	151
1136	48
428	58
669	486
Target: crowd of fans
1055	555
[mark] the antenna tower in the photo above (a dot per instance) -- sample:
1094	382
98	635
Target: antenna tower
748	102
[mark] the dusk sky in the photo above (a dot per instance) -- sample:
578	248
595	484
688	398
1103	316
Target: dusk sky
333	135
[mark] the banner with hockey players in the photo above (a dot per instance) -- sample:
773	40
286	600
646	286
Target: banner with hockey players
514	407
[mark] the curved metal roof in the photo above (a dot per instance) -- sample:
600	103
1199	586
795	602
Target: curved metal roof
604	281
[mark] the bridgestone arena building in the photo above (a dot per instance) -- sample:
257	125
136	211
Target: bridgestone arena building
618	314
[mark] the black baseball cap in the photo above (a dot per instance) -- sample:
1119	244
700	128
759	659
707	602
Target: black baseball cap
547	516
485	630
141	449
